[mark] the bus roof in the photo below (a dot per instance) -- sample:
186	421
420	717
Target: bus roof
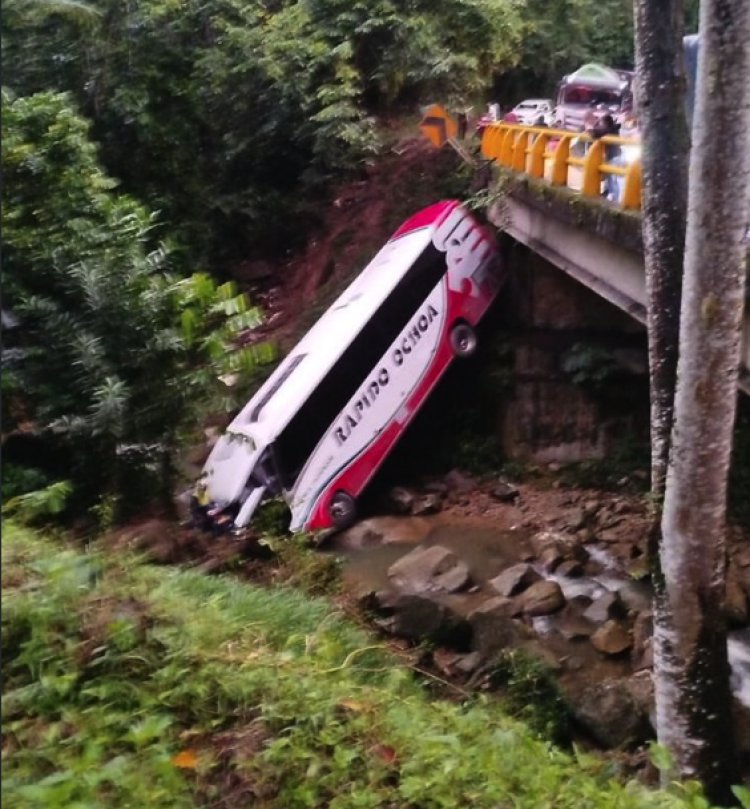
281	395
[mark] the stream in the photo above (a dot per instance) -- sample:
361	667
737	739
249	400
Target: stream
369	549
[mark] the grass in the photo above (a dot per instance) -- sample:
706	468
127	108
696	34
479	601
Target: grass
127	685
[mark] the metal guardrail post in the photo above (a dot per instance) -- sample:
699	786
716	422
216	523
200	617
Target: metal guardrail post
538	148
506	148
631	195
525	149
560	162
592	176
519	150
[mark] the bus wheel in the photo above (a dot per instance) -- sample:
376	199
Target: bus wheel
463	340
343	510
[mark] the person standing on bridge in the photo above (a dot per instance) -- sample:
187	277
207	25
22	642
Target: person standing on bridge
612	154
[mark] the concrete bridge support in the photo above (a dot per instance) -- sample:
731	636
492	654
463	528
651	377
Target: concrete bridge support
578	365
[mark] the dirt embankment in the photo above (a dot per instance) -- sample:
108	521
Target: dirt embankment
409	174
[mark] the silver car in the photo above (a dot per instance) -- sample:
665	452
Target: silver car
530	111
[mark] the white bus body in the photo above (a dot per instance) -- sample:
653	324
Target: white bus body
321	425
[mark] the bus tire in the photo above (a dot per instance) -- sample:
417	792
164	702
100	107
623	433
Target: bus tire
343	510
463	340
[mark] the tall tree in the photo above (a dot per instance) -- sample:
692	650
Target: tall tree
115	352
660	92
692	672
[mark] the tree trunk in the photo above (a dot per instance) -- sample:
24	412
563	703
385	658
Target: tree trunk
660	93
692	672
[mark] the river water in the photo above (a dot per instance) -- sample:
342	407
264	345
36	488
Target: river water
487	552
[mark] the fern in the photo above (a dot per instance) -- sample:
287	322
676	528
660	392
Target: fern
39	504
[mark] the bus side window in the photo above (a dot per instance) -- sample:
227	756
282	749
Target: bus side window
299	438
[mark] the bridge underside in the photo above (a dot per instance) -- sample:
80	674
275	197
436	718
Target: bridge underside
601	250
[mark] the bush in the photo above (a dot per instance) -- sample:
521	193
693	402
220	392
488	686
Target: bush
126	685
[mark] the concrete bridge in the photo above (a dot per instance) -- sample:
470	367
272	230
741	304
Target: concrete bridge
549	199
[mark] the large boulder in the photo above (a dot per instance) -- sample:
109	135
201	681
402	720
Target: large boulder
606	606
612	638
419	618
426	570
571	624
493	628
612	715
514	579
542	598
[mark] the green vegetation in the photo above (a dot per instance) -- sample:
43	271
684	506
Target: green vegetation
531	693
116	352
232	118
130	685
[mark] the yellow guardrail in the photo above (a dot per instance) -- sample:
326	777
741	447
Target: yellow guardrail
549	154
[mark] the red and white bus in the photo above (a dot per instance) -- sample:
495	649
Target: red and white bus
324	421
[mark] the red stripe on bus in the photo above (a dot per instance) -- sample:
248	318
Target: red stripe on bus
431	216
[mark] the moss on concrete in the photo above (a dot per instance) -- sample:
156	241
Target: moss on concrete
566	205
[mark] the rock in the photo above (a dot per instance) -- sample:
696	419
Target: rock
386	530
570	567
382	601
610	521
590	509
458	482
741	556
735	604
436	487
611	715
608	536
496	604
420	618
604	607
492	627
638	569
550	558
429	503
575	520
468	663
612	638
580	602
636	595
542	598
643	651
429	570
622	507
514	579
641	688
505	492
445	660
452	664
400	500
571	624
586	535
543	540
361	535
